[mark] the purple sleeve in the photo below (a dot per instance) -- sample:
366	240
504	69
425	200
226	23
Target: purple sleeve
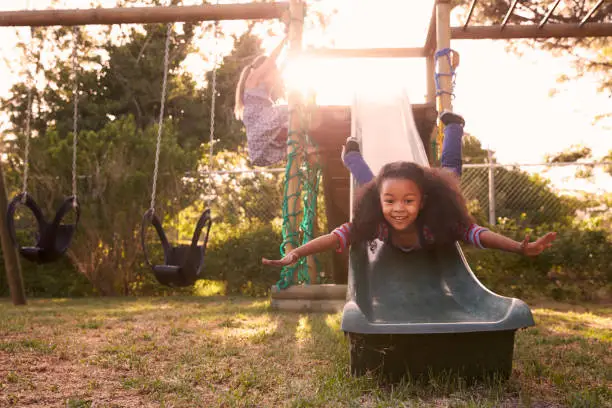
343	233
472	235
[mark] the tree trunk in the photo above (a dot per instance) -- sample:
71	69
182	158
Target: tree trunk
11	260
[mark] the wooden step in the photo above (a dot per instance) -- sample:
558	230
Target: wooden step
309	298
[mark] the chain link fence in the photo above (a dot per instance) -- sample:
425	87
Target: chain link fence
236	195
534	194
240	198
538	193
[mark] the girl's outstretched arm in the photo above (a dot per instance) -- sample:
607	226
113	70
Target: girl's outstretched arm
492	240
276	52
319	244
270	62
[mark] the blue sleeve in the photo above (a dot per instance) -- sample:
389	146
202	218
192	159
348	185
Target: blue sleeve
358	167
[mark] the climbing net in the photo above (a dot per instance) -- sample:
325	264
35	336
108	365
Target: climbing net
305	172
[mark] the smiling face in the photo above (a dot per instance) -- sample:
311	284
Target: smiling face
401	201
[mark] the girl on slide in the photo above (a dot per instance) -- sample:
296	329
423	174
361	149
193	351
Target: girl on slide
413	207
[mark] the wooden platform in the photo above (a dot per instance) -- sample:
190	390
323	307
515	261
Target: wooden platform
309	298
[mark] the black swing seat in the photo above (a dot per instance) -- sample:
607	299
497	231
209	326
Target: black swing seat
182	263
54	238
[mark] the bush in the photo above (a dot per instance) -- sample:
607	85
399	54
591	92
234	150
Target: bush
58	279
577	267
234	256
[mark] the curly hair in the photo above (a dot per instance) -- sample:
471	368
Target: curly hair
444	209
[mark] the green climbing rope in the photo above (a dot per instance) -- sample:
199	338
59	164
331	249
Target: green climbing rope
308	176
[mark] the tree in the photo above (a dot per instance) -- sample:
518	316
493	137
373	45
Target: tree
117	122
592	54
132	79
472	150
570	155
608	158
115	195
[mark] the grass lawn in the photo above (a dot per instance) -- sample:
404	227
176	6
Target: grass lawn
224	352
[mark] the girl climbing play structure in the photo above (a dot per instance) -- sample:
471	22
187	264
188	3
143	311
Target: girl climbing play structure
406	313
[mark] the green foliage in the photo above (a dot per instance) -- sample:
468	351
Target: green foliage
234	256
124	176
115	196
119	103
608	158
570	155
132	81
578	266
242	195
472	150
599	51
59	279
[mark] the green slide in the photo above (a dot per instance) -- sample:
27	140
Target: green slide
426	312
423	312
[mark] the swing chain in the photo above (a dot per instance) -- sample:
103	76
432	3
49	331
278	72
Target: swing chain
28	124
161	114
75	95
212	111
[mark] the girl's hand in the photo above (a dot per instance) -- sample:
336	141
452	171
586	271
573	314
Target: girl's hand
287	260
537	247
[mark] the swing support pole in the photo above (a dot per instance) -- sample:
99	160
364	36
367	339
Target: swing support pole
9	252
443	39
295	104
429	51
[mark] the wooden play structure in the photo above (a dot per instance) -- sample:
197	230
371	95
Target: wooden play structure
336	125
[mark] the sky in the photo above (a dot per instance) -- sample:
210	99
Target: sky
504	98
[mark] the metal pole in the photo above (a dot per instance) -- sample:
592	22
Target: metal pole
590	13
557	30
492	217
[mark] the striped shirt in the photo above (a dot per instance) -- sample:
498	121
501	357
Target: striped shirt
266	127
343	233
